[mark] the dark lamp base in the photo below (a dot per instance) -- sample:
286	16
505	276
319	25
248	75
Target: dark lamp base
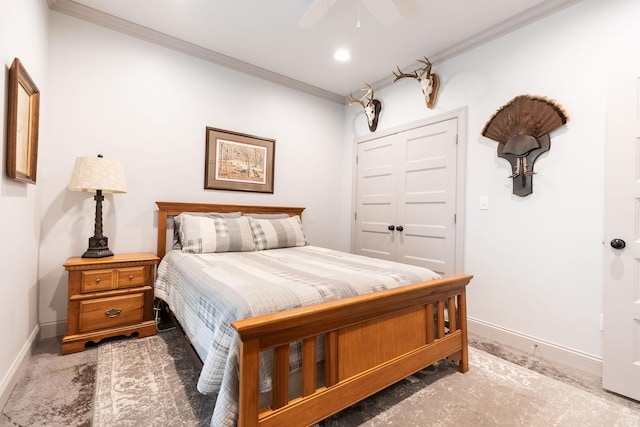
98	248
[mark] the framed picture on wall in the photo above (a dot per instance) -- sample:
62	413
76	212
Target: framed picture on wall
22	125
238	162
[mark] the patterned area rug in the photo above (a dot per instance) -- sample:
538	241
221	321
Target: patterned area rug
151	381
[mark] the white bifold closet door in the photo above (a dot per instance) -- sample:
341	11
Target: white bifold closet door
406	197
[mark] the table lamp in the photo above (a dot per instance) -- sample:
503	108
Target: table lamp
102	176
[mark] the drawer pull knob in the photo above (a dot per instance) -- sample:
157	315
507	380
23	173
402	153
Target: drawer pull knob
97	280
131	277
114	312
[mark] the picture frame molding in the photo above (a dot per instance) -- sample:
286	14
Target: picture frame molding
213	179
22	126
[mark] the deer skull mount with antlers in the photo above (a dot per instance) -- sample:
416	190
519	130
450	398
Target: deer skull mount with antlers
429	82
372	107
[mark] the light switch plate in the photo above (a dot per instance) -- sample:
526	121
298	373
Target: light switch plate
484	203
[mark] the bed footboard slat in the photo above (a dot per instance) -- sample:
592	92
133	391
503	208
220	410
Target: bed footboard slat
280	376
331	359
451	307
462	319
249	383
431	330
440	319
308	366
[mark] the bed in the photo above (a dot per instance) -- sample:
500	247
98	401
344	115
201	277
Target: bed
323	349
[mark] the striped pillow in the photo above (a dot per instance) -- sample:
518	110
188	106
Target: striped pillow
178	218
266	216
204	234
277	233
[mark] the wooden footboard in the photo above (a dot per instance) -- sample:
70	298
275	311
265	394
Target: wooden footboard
370	342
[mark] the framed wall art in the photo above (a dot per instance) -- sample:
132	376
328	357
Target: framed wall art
238	162
22	125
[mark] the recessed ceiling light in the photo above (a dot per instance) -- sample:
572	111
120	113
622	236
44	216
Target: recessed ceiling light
342	55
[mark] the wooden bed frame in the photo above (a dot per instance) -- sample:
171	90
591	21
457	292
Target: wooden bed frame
370	341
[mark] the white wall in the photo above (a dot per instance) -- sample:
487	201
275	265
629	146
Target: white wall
23	31
537	260
148	106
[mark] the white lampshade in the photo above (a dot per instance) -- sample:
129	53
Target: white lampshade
97	173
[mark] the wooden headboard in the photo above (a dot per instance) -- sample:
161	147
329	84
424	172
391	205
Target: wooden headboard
167	210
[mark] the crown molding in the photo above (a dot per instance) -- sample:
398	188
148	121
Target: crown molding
544	9
70	7
103	19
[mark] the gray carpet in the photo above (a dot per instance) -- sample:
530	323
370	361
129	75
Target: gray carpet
54	390
494	393
151	382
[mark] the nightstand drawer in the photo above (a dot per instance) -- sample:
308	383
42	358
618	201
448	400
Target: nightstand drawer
96	280
115	278
131	277
110	312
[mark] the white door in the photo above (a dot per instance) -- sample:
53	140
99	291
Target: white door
406	197
376	201
621	344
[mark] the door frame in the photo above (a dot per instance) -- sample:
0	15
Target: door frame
461	173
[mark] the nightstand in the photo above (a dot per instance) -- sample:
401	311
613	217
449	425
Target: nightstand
109	297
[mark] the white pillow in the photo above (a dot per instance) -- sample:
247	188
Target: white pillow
204	234
277	233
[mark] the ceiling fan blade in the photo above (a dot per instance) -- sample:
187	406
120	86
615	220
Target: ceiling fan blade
316	11
408	7
385	10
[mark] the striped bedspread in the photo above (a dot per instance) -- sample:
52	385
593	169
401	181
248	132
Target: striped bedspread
207	292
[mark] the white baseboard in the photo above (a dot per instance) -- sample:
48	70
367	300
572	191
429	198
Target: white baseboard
52	329
541	348
13	375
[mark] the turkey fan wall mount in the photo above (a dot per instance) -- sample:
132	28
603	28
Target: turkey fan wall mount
521	127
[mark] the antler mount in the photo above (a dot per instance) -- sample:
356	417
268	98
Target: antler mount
372	107
429	82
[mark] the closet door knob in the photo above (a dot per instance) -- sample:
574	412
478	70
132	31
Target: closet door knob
400	228
391	228
618	244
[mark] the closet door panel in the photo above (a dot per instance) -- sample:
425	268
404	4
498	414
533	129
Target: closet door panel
426	196
376	201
